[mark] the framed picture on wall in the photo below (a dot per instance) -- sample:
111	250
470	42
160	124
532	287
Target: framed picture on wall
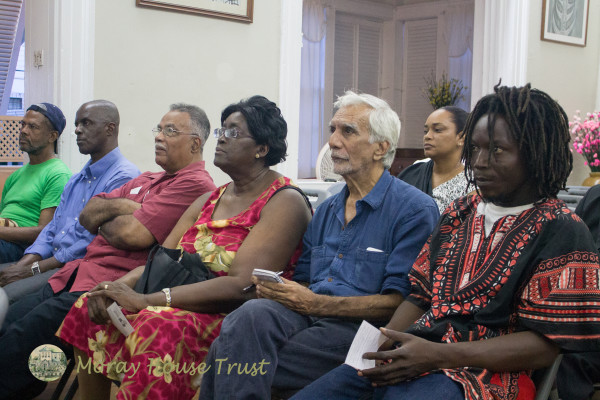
236	10
565	21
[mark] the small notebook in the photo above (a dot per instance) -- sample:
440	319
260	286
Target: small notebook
267	275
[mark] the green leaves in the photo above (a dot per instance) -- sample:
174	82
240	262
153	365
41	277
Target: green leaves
443	92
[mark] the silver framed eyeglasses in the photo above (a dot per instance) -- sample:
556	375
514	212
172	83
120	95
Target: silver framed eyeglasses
170	132
229	133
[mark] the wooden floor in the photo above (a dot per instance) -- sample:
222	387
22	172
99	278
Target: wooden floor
47	394
52	386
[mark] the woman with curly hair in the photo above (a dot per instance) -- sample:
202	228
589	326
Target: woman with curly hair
251	222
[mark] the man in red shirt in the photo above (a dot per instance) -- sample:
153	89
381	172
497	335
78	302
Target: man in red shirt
128	221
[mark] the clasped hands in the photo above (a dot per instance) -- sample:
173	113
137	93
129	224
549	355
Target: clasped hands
101	296
402	357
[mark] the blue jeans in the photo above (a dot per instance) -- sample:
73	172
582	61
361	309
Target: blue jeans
344	383
577	374
30	322
294	350
11	252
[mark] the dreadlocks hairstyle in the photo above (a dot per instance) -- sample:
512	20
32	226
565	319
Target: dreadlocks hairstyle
538	124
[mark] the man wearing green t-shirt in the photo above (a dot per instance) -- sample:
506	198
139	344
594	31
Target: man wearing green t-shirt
32	193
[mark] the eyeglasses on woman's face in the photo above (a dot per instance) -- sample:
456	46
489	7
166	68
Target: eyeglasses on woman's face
229	133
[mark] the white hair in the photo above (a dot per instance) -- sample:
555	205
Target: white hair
384	124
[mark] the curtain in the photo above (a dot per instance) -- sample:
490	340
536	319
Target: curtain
312	84
501	31
458	29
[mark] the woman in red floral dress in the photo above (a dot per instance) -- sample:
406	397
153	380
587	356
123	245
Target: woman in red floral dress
245	224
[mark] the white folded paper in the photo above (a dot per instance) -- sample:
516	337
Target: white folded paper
118	319
367	339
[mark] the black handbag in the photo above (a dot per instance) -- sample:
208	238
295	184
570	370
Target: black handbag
167	268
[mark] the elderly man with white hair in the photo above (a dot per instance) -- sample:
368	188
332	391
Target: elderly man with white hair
357	253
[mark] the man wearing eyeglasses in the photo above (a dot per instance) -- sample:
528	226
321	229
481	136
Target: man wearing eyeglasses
128	222
32	193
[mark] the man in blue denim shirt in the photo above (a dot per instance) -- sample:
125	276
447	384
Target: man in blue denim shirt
64	239
357	253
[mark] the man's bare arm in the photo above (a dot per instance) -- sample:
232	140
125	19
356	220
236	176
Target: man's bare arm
49	263
22	269
98	211
514	352
414	355
404	316
28	259
27	234
298	298
376	307
127	233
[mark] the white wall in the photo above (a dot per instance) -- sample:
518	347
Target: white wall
146	59
567	73
63	31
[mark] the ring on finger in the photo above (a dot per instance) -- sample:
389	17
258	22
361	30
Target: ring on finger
105	287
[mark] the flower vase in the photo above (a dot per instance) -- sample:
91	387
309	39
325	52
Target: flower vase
591	180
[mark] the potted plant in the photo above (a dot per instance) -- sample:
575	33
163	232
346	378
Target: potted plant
586	141
443	92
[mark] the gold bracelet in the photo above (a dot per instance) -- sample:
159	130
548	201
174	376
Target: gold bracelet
167	292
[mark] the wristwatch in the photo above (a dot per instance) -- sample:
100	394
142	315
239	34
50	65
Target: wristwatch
35	268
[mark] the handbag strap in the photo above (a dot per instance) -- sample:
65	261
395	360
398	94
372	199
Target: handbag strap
296	188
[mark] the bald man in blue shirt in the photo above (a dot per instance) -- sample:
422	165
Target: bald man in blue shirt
64	239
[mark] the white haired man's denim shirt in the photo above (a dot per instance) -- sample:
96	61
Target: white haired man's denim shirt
374	252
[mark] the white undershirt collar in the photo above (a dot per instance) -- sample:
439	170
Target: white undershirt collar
493	213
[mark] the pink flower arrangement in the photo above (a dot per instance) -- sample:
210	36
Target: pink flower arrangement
586	138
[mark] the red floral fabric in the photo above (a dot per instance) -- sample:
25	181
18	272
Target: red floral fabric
163	356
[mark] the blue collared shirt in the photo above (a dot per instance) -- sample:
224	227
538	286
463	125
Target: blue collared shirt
375	251
64	238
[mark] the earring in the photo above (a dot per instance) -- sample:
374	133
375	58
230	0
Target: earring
257	155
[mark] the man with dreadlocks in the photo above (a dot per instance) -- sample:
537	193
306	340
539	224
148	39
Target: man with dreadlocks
508	279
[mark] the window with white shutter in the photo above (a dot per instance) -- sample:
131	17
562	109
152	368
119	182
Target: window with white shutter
11	37
389	52
417	59
356	56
